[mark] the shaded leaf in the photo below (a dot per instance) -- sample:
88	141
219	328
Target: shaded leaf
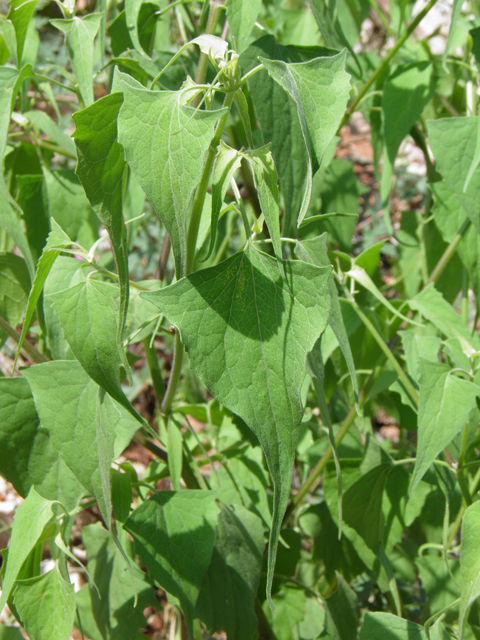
14	287
174	534
229	588
385	626
27	457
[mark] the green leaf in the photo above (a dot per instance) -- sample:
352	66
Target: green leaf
33	202
453	142
289	613
87	314
10	220
469	561
175	535
56	241
385	626
241	324
14	287
46	606
27	457
315	251
362	505
266	182
432	305
112	616
31	518
83	424
445	405
168	173
10	633
227	161
44	122
79	35
20	13
229	588
320	90
101	168
342	608
241	20
405	95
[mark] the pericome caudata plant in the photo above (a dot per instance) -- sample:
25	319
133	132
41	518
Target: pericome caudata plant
198	270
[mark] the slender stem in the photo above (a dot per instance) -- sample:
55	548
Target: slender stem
216	7
386	61
448	253
150	446
265	631
174	375
385	348
162	264
26	346
312	481
155	373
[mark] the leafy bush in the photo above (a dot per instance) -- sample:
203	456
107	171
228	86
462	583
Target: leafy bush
201	276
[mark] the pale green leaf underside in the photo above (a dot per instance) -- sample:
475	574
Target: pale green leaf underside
320	89
470	561
46	605
165	144
30	519
248	335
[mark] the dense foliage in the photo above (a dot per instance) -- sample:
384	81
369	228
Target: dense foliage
191	269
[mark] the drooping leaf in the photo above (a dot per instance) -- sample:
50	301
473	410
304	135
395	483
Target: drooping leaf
266	182
445	405
79	35
405	95
168	173
32	200
241	19
227	161
56	241
27	457
14	287
279	121
20	13
385	626
342	609
46	606
469	561
453	142
44	122
320	90
433	306
315	251
101	168
229	588
174	534
248	335
111	616
31	517
87	314
83	425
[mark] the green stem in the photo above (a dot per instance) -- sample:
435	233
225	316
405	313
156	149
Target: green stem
312	481
448	253
385	348
155	373
386	61
265	631
202	187
174	375
216	7
26	346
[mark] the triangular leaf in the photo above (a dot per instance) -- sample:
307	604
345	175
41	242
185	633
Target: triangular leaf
248	334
